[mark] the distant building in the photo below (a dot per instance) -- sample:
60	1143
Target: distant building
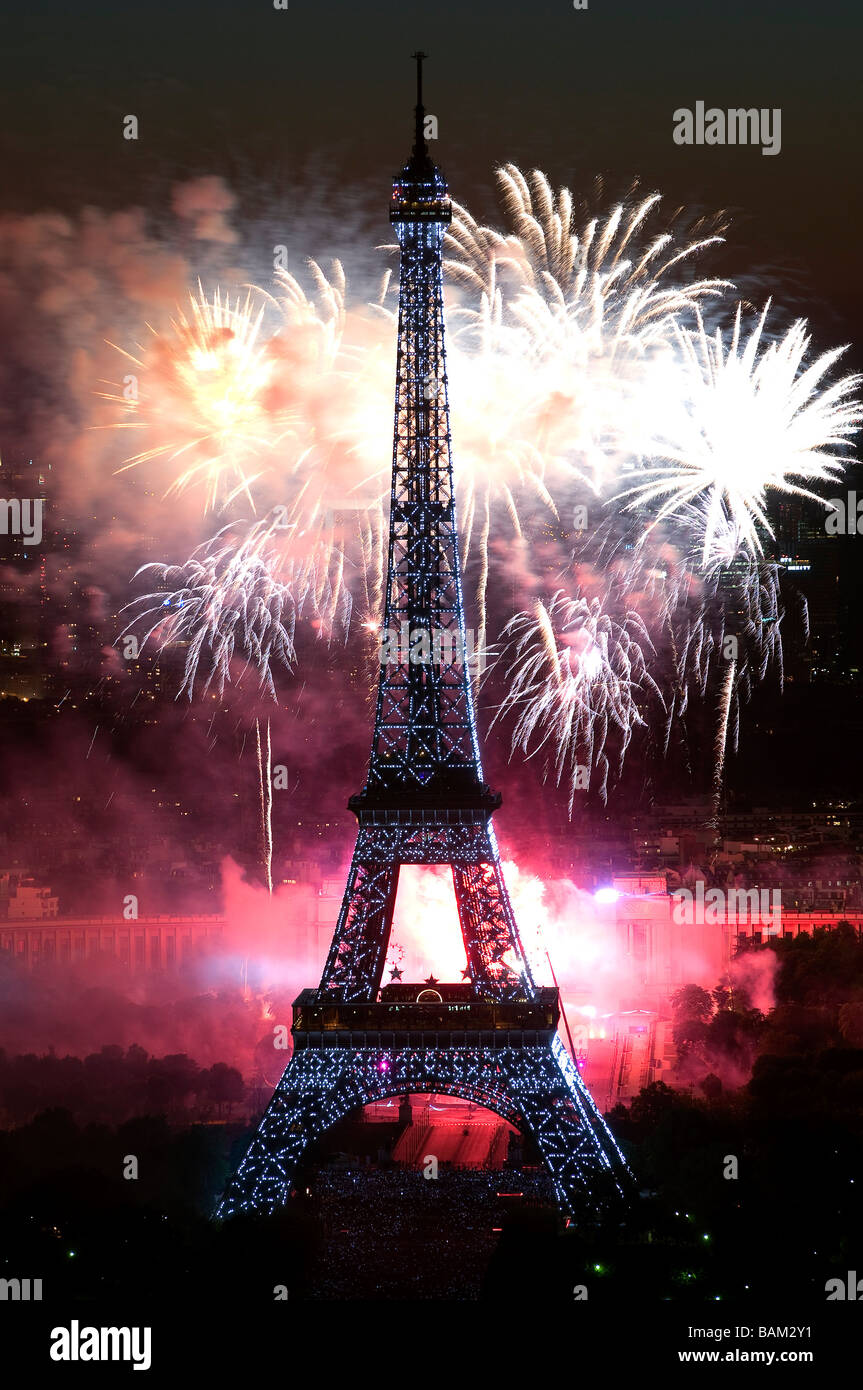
31	901
23	898
150	943
626	1052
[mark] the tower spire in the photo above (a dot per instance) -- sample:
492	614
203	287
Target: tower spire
421	160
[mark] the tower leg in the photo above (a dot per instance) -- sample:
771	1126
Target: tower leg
358	951
587	1169
317	1090
488	927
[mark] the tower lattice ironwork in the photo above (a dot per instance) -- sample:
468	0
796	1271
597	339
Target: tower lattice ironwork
494	1038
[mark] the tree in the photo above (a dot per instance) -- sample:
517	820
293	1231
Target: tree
691	1003
223	1085
851	1023
711	1086
691	1008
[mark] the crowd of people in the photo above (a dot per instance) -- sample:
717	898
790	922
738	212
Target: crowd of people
391	1232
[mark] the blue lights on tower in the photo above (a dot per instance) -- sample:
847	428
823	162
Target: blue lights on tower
491	1039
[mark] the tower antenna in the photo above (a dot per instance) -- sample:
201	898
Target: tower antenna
420	150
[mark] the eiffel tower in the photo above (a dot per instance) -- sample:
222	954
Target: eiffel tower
491	1038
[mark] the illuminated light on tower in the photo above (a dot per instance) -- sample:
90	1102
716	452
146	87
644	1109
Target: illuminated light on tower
491	1039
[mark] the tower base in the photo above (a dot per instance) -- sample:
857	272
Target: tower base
525	1077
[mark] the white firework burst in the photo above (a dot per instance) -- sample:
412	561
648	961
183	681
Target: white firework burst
575	676
224	602
749	419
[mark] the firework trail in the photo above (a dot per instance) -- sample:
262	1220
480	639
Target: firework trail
725	701
741	618
265	792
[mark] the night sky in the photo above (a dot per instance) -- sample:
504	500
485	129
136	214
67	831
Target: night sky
261	96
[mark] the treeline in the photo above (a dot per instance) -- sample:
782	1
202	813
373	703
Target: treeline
815	984
111	1085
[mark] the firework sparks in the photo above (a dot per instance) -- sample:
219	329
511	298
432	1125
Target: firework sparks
223	603
228	605
578	361
575	674
701	616
552	349
336	478
580	309
747	419
208	399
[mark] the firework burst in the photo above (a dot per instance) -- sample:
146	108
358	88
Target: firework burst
575	675
227	604
580	366
224	603
748	418
582	308
555	334
208	399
